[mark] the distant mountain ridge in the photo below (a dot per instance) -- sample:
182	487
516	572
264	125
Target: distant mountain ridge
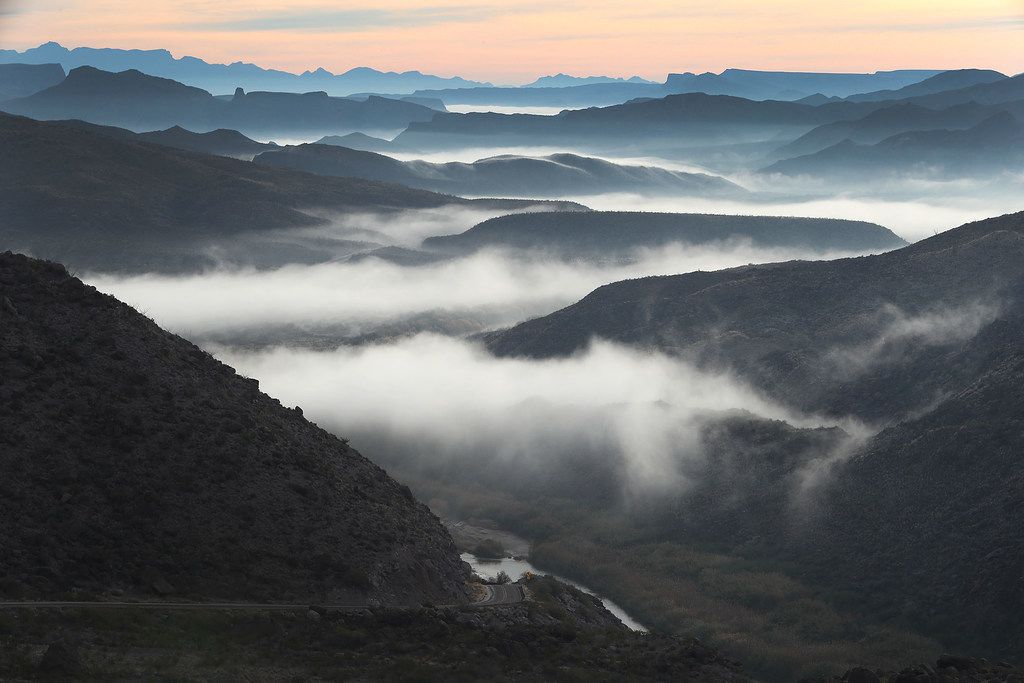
947	80
224	78
565	80
138	101
21	80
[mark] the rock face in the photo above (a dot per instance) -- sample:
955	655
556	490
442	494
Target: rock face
134	462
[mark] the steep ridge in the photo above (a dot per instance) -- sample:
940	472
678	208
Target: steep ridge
125	205
601	235
557	175
170	475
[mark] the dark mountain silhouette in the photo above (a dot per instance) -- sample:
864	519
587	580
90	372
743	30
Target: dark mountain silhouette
170	475
21	80
993	146
134	100
883	123
224	78
947	80
616	234
921	523
557	175
125	205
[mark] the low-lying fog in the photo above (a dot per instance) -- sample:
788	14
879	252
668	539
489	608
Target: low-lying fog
507	287
440	398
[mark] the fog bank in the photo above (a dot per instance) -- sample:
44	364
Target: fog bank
507	287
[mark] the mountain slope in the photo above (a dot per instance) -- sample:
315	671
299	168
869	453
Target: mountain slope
114	204
827	337
516	176
172	475
616	234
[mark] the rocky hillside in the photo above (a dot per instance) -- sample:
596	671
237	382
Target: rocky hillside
136	464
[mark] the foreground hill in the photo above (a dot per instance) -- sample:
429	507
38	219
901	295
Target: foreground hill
557	175
171	475
598	235
922	523
97	202
137	101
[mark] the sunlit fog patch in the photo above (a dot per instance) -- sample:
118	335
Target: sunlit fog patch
510	286
431	397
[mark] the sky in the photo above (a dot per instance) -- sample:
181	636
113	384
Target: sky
514	41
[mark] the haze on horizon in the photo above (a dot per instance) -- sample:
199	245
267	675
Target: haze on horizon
514	42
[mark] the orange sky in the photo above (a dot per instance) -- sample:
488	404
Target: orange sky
517	41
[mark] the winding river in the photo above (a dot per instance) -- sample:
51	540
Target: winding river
489	569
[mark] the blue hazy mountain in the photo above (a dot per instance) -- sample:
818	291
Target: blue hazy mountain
140	102
899	118
947	80
21	80
224	78
755	85
565	80
993	146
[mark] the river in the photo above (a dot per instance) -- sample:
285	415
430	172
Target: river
489	569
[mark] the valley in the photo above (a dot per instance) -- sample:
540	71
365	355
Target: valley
392	374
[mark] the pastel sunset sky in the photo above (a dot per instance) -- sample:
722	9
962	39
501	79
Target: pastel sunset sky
510	42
